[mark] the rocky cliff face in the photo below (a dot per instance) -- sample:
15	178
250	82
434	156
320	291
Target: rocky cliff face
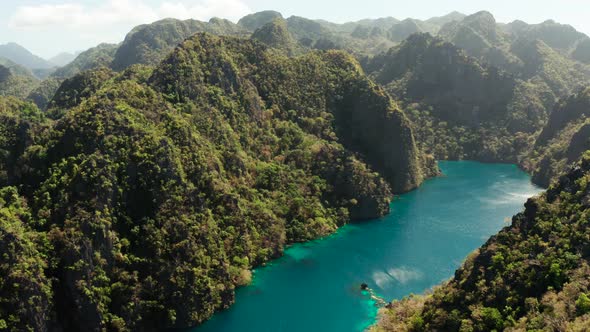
460	108
463	108
562	141
374	126
156	190
360	109
428	70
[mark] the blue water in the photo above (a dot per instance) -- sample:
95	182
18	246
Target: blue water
315	286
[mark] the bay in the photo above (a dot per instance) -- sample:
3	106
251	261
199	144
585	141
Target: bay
430	231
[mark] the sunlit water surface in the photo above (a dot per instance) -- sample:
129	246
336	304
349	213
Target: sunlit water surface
430	231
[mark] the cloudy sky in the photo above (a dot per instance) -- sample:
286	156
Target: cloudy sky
48	27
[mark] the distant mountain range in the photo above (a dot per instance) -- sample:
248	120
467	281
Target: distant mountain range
40	67
63	59
509	75
479	34
23	57
154	174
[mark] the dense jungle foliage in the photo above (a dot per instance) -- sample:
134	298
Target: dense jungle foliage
465	106
141	200
96	57
461	108
563	140
140	183
532	276
16	81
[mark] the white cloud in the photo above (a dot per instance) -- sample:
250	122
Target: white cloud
230	9
77	16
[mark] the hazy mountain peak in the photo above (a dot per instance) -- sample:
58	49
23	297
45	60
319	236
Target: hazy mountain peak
306	28
63	58
481	15
99	56
383	22
582	51
408	21
14	68
455	13
556	35
276	35
150	43
23	57
404	29
482	23
220	21
450	17
257	20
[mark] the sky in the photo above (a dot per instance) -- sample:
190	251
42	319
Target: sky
49	27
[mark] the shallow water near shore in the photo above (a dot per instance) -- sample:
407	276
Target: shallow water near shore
430	231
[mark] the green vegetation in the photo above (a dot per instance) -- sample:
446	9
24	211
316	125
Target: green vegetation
276	35
63	58
148	44
498	99
20	121
256	21
44	92
460	108
76	89
582	51
463	108
532	276
15	81
96	57
25	288
161	170
26	291
146	196
563	140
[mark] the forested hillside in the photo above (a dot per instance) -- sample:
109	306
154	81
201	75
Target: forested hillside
99	56
15	80
512	93
276	35
143	198
141	182
461	108
563	140
532	276
148	44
